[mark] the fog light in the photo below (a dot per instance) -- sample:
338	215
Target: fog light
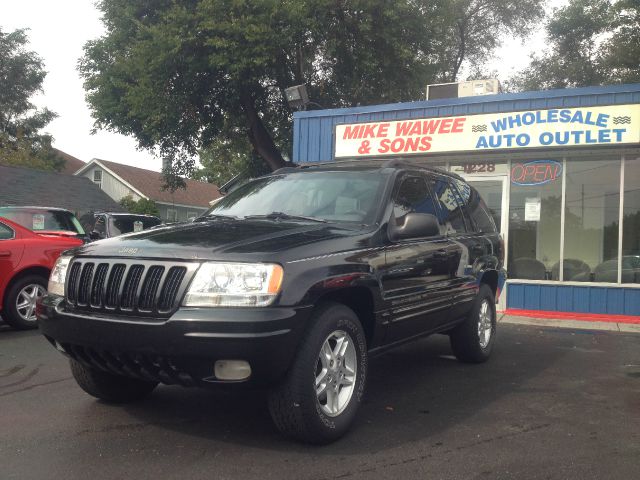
232	370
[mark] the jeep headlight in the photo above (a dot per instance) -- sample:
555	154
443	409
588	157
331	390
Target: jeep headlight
234	285
59	275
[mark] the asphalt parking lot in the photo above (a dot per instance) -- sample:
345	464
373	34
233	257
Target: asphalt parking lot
550	404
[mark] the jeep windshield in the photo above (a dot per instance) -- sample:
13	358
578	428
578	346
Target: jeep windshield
334	196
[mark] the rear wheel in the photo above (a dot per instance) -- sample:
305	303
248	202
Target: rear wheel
472	340
108	387
322	392
20	301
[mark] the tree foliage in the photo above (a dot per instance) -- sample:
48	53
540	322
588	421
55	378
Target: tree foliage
21	76
195	76
143	206
225	158
591	42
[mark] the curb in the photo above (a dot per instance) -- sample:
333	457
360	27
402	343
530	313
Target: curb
573	324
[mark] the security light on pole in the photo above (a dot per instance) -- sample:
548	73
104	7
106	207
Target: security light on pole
297	96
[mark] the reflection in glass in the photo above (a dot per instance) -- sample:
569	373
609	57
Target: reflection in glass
631	222
592	209
534	238
344	196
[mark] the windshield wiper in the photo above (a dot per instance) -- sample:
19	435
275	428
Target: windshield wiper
215	216
286	216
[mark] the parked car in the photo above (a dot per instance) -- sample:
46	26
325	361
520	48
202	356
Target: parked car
45	219
26	259
102	225
290	282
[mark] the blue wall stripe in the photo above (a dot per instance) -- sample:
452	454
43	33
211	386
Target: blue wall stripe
532	298
614	300
597	300
515	295
564	299
548	298
580	299
632	301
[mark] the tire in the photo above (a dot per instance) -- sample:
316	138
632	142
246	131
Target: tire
469	339
297	410
19	302
108	387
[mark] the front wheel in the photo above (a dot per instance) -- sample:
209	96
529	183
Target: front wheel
320	396
20	301
472	340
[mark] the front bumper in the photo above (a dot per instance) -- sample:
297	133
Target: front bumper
183	348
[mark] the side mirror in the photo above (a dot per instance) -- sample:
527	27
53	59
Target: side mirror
416	225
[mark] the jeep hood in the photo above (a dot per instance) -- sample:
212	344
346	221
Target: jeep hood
217	239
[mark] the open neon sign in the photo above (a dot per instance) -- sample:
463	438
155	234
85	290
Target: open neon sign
536	172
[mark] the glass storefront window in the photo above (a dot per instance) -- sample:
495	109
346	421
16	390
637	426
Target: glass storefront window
591	225
631	222
534	219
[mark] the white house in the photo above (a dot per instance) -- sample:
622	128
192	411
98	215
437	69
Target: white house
118	181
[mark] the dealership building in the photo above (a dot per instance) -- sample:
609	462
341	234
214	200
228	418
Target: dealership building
560	170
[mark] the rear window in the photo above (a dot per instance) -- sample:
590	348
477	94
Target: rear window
480	214
41	219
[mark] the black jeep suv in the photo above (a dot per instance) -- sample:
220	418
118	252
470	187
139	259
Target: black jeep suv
290	282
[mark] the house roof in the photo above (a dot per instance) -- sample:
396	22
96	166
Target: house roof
149	184
71	163
26	186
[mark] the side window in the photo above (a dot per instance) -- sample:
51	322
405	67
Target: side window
413	196
5	232
451	205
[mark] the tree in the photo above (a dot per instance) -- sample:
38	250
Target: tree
475	28
591	42
189	76
225	158
144	206
21	76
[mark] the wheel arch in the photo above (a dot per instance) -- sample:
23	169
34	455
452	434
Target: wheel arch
490	278
360	300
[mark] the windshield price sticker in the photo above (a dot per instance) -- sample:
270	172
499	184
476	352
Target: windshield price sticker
38	222
616	124
138	226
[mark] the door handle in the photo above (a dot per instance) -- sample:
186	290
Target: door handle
5	253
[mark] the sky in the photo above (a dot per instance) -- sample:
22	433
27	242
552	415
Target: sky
58	29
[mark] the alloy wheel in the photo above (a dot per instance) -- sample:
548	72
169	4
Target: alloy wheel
335	375
485	324
26	301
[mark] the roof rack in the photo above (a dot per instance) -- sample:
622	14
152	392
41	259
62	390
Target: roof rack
382	162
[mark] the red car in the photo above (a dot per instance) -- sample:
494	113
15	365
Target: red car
26	259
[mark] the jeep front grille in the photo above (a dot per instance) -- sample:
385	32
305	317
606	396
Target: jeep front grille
127	287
